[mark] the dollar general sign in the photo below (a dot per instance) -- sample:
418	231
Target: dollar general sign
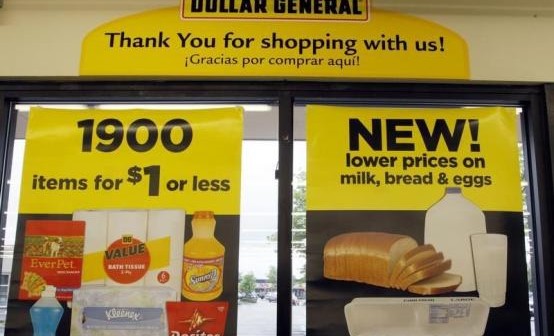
328	10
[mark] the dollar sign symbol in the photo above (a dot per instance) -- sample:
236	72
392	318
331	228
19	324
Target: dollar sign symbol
134	174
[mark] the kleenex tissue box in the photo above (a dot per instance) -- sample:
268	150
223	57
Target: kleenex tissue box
118	311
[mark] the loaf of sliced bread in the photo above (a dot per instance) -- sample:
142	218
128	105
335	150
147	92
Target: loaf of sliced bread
388	260
367	257
440	284
430	271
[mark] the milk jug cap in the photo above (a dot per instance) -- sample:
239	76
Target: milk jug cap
453	190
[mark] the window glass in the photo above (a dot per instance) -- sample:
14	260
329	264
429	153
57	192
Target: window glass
299	214
258	222
258	234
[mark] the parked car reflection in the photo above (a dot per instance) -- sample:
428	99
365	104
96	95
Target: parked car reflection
272	297
248	298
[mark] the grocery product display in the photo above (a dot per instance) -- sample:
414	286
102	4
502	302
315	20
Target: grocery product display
125	267
109	223
414	222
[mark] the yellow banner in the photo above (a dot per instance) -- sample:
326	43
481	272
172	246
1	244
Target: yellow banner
96	159
404	159
388	45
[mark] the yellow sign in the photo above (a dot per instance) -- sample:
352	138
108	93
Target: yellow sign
77	159
389	45
319	10
404	159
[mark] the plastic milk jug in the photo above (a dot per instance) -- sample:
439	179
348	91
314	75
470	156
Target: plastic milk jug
46	313
203	260
448	226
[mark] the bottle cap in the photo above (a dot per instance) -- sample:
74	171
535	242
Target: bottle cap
49	291
203	215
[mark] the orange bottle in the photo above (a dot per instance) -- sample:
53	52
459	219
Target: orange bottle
203	260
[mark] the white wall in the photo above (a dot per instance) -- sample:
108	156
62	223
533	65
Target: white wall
43	37
506	48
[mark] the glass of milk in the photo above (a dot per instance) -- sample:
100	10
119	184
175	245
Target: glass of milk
490	254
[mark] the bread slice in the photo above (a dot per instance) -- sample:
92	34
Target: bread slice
420	264
410	257
440	284
428	272
366	257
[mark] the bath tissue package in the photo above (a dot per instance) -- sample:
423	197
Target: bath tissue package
133	247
